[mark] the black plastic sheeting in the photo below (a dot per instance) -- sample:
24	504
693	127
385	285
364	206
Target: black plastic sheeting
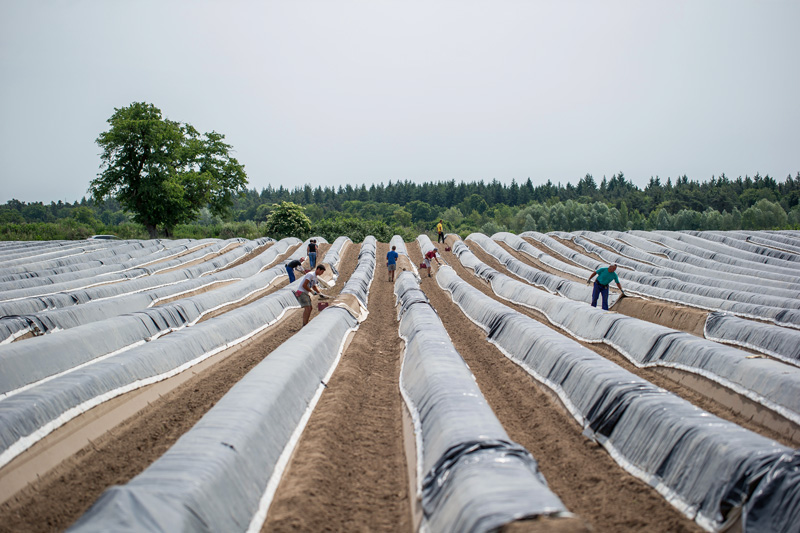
780	316
36	304
102	303
706	467
767	382
221	475
471	476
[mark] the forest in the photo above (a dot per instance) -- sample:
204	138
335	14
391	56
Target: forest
408	209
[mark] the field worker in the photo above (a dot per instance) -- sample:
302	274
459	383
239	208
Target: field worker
307	285
431	255
604	278
291	266
440	230
312	252
391	262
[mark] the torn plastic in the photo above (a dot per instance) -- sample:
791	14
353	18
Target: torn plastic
471	476
222	474
706	467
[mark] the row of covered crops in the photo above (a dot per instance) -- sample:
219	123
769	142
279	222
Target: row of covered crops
470	475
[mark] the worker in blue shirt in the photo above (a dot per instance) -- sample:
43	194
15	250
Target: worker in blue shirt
605	276
391	262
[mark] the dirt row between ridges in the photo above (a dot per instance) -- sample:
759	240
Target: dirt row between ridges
653	375
577	469
60	497
348	472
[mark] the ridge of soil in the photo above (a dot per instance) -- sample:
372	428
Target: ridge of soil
348	472
577	469
60	497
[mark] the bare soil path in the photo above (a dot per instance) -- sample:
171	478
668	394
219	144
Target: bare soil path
65	493
348	472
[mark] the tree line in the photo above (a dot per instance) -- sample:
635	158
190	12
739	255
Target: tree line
163	177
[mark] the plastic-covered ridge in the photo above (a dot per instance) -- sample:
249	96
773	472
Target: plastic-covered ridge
333	255
472	476
521	245
555	284
706	467
769	383
101	302
221	475
36	304
780	316
404	260
781	343
361	279
750	247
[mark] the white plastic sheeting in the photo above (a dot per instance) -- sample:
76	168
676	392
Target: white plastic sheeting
768	255
471	476
705	466
222	474
780	316
781	343
397	241
102	303
79	296
767	382
574	291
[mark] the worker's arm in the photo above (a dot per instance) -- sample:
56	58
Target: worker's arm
590	277
620	289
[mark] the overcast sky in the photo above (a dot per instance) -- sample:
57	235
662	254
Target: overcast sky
332	92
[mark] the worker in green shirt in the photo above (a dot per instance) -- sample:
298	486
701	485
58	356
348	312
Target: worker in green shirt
605	276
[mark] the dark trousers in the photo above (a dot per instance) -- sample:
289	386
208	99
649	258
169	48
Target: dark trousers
597	290
290	271
441	237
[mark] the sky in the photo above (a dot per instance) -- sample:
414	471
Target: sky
332	92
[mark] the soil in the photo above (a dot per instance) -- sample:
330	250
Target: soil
348	472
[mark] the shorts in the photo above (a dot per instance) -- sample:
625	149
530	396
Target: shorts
391	267
427	263
303	298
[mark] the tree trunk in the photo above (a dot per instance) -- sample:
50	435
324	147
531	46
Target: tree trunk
151	229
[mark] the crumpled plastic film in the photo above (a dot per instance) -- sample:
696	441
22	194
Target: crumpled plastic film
222	474
781	343
769	383
780	316
472	476
706	467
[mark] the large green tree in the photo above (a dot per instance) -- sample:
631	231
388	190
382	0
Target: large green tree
163	171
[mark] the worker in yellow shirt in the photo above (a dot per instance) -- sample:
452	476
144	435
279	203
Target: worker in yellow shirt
440	230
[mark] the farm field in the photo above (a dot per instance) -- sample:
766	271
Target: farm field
161	385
